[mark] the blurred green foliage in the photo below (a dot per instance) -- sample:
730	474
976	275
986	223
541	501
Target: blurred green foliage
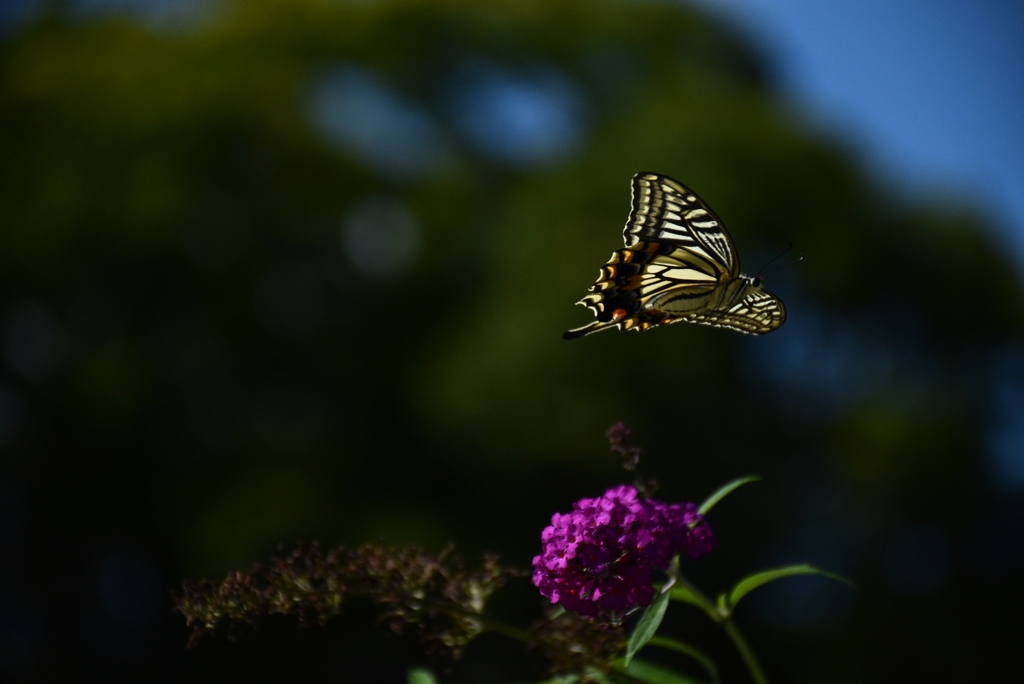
201	368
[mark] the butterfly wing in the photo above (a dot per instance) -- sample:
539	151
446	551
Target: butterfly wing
665	210
757	313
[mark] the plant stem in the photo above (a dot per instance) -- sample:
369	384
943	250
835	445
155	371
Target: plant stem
722	617
687	650
748	655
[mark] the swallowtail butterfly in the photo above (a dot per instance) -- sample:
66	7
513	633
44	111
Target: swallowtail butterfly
679	264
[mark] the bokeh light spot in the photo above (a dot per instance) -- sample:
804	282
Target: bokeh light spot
380	237
524	119
362	115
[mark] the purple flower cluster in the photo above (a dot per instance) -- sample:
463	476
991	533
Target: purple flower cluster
601	556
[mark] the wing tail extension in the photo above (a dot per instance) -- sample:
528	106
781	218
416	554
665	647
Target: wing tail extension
589	329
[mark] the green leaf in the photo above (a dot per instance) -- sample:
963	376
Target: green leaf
419	675
686	649
748	584
648	624
653	674
683	594
724	491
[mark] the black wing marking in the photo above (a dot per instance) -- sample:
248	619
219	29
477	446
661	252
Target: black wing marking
665	210
757	313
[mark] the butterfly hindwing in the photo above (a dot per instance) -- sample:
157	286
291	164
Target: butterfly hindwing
757	313
634	276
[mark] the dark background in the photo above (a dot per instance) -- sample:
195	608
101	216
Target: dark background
295	270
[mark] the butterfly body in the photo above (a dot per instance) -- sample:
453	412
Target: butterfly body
679	264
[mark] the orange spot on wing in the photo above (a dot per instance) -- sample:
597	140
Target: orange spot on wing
619	313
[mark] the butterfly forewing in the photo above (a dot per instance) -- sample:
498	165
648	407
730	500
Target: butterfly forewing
666	210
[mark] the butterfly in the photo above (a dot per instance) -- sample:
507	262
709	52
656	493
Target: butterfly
679	264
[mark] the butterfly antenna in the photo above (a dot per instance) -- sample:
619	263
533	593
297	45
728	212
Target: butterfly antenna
765	269
791	263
